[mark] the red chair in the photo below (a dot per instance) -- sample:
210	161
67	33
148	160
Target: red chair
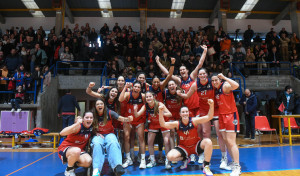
292	122
262	124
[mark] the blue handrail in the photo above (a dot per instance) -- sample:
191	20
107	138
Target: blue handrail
232	67
240	88
57	65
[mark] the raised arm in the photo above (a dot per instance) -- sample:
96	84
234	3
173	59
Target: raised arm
72	129
208	117
123	94
201	61
171	71
190	92
165	71
162	122
230	85
92	93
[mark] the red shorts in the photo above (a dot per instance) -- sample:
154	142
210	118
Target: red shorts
190	150
62	152
229	122
138	121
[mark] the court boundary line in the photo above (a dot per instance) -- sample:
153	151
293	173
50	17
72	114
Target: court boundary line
30	164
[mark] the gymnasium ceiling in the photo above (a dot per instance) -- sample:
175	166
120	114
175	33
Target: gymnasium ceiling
264	9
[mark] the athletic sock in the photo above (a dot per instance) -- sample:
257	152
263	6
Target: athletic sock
143	156
224	154
152	157
128	155
205	163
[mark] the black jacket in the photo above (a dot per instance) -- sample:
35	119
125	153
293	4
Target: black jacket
68	103
282	98
251	103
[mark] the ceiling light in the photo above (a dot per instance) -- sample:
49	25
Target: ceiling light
248	6
30	4
177	5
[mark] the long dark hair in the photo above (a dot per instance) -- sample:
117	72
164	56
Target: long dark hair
96	115
116	100
178	98
156	103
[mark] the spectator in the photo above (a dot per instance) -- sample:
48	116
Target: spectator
275	58
295	42
283	31
225	44
248	35
250	67
239	57
295	58
3	84
165	60
261	58
66	57
19	98
85	56
93	36
249	101
287	98
19	76
47	76
28	81
66	108
104	30
37	75
284	43
12	61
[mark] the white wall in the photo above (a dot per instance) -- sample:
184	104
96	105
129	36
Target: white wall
164	23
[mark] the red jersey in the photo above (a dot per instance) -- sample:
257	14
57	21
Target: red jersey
108	127
205	92
158	94
193	101
79	139
130	106
172	104
188	135
226	102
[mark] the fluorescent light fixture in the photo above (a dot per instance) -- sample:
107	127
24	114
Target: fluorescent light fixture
30	4
248	6
177	5
105	4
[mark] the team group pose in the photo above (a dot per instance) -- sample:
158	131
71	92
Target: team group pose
176	110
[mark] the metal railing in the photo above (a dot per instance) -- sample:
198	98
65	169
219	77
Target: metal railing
103	73
232	68
296	71
34	92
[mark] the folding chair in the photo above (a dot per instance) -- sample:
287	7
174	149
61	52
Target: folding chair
293	123
262	124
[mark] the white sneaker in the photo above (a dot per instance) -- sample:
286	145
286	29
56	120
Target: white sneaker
207	171
127	163
185	163
151	164
143	164
168	164
201	158
12	110
224	164
70	173
236	170
19	110
96	172
193	159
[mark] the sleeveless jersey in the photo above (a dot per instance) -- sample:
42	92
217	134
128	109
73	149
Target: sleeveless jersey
123	107
226	102
188	135
79	139
205	92
172	104
130	105
108	127
158	94
154	119
193	101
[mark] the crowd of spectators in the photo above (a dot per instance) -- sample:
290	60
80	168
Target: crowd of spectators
28	53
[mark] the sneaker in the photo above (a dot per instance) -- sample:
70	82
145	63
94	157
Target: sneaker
193	159
96	172
119	170
224	164
207	171
132	156
12	110
201	158
236	170
70	173
19	110
160	160
252	139
168	164
128	162
185	163
139	158
151	164
143	164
